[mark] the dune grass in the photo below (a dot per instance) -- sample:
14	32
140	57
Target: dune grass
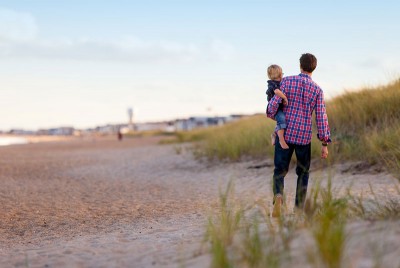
247	137
245	236
365	125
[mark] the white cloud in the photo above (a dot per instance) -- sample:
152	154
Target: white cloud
125	49
222	50
16	26
19	40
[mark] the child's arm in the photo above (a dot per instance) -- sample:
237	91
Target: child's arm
281	95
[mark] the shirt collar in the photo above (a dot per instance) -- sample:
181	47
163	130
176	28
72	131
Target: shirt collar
305	75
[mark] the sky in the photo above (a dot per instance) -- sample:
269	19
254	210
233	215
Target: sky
84	63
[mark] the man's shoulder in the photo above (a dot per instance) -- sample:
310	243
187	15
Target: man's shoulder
300	81
290	80
309	82
314	85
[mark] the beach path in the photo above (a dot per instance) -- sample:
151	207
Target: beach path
135	203
103	203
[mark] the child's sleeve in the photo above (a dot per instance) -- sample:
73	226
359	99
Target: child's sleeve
273	105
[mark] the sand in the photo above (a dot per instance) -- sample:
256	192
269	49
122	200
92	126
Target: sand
104	203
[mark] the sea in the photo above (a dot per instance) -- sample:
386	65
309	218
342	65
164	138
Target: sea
4	141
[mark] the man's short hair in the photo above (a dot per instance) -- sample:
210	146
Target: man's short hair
274	72
308	62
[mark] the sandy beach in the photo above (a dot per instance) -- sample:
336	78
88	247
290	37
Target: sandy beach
104	203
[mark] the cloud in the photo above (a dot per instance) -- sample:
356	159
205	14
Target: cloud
19	39
372	63
127	49
16	26
124	49
222	50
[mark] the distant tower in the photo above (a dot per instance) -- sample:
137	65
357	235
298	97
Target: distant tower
130	114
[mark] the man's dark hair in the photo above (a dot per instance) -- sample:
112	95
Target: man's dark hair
308	62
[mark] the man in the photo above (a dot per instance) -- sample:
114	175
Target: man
304	97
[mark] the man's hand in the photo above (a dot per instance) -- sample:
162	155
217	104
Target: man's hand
285	101
324	152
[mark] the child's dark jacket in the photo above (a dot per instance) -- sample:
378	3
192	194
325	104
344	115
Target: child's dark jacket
272	85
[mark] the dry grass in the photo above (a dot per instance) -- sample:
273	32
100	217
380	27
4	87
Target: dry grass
242	236
365	125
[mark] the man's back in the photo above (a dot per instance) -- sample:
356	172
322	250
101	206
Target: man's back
304	96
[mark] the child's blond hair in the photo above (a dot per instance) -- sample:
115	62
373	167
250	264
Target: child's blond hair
274	72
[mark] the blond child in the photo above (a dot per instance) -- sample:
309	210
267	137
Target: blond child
275	75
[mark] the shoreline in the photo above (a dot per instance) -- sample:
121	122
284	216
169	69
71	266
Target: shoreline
8	140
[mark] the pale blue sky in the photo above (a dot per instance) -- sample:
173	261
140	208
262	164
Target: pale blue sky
83	63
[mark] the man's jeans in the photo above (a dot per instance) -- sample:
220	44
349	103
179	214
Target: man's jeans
282	160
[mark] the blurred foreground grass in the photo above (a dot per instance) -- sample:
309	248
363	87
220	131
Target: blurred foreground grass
244	235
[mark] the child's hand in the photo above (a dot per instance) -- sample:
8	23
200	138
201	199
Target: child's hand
285	101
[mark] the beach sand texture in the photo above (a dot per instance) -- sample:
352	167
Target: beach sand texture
104	203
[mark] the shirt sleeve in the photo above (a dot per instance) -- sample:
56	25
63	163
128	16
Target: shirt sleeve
273	104
272	107
322	119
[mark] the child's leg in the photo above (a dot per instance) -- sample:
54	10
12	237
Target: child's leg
273	137
282	141
281	124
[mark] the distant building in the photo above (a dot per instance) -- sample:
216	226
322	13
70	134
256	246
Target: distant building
163	126
109	129
112	129
130	116
61	131
20	132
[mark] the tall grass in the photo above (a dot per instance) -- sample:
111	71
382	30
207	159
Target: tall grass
239	237
221	230
248	137
327	218
242	239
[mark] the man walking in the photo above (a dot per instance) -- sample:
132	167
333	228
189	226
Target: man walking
304	97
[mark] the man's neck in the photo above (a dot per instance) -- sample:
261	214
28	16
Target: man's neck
307	73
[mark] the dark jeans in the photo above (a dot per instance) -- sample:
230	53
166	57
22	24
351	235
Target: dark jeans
282	160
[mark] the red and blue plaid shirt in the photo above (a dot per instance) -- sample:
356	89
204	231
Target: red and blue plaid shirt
304	97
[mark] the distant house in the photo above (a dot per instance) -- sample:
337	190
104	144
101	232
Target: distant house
61	131
199	122
152	126
21	132
109	129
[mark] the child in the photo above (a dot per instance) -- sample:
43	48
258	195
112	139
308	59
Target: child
275	75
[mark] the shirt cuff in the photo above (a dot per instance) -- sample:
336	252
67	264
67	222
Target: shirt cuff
326	139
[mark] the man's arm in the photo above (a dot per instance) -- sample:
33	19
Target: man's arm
322	124
322	119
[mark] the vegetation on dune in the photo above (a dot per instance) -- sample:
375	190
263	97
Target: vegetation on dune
365	125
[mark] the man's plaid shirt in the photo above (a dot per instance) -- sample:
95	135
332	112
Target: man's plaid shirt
304	97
